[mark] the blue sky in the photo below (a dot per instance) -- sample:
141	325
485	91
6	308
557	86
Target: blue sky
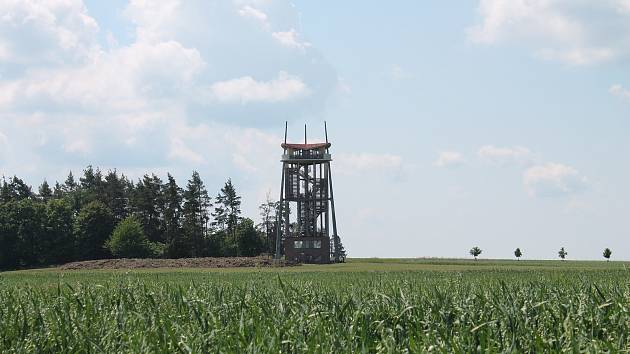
500	124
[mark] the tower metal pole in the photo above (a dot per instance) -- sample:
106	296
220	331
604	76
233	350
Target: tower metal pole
281	201
334	218
279	216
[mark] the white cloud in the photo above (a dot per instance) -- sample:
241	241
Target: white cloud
180	151
4	145
53	32
569	31
253	13
251	149
449	158
505	154
619	91
290	39
122	79
245	89
354	163
553	179
66	96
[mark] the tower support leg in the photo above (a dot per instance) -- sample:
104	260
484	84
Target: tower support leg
279	218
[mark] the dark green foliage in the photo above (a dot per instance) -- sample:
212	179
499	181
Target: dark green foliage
227	208
607	254
9	242
71	192
58	191
70	185
59	239
92	186
92	228
173	237
149	206
562	253
129	241
195	216
249	241
30	219
45	193
115	194
15	189
518	253
475	252
73	221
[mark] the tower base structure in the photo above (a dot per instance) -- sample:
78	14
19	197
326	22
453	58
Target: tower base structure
307	249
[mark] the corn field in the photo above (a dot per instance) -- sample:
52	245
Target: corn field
317	312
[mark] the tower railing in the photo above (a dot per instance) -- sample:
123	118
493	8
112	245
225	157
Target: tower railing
306	155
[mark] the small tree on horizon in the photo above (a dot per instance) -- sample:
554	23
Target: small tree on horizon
607	254
518	253
562	253
475	251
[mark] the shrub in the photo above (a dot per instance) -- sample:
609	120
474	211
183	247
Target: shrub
129	241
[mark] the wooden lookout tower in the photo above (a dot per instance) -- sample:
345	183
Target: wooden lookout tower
307	206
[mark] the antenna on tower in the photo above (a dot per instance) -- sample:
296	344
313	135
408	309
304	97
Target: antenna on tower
326	133
304	133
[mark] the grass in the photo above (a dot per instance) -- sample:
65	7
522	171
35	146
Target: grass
365	305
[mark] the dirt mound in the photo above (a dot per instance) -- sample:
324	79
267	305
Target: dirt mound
206	262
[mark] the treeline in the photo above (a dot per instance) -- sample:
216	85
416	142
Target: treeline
103	216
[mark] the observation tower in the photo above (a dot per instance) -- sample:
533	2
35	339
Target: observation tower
307	205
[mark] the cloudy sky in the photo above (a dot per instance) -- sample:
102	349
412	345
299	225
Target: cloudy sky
494	123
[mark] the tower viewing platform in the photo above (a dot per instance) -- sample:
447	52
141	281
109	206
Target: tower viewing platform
306	152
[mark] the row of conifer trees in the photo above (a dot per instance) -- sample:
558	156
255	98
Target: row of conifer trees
75	220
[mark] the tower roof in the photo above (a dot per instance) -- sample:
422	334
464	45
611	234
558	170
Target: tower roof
305	146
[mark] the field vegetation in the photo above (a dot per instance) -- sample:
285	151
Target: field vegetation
366	305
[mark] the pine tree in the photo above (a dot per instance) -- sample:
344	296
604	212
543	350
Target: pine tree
5	195
227	212
58	191
115	195
195	215
92	186
16	189
175	241
45	193
148	205
71	191
70	185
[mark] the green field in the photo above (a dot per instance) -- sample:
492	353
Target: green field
366	305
